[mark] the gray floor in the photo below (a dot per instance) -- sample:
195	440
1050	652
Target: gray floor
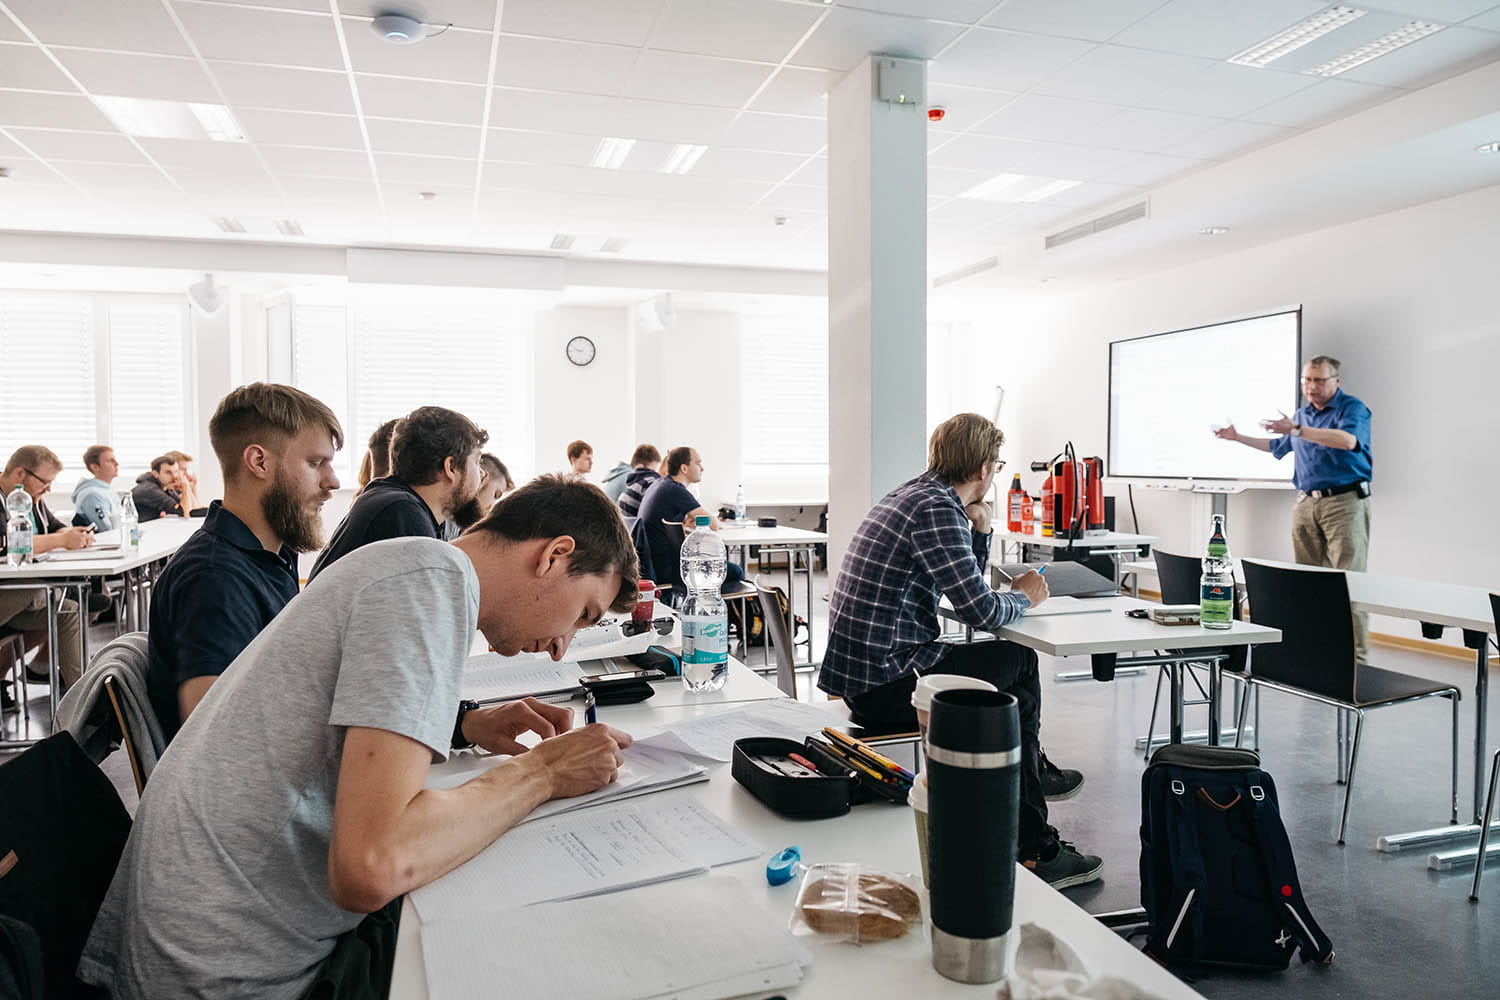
1399	930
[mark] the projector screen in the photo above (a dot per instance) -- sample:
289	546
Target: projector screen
1168	392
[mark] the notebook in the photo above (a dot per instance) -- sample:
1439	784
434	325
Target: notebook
1064	579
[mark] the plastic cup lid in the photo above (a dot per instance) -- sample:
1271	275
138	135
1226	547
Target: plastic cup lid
921	698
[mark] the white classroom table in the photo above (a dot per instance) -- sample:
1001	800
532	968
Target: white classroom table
878	834
777	540
1118	545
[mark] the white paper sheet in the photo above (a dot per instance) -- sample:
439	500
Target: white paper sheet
1065	606
713	736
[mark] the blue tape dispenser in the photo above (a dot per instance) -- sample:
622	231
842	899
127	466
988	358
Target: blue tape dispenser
784	866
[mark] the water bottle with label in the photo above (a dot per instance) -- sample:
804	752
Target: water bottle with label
130	523
739	504
18	530
705	622
1216	593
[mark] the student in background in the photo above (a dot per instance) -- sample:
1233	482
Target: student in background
580	458
377	460
155	493
94	502
435	471
494	483
669	500
292	803
187	481
643	473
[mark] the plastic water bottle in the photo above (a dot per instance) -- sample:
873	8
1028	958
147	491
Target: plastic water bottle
18	533
705	623
130	523
739	504
1216	586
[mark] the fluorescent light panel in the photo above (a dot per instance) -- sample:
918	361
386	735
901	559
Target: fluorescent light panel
1047	191
990	190
611	153
1296	36
218	122
1003	187
171	119
681	159
1384	45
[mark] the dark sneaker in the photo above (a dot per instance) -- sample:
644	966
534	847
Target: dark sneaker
7	701
1059	783
1067	867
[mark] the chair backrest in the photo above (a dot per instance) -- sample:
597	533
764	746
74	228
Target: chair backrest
1311	608
643	549
779	630
1180	578
127	736
110	706
673	574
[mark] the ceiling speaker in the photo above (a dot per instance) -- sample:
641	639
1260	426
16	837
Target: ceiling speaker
206	295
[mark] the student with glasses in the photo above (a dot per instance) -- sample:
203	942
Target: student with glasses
1330	437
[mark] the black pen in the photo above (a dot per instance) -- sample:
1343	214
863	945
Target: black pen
590	713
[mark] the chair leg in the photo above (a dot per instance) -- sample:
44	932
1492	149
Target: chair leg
1484	831
1155	701
1341	720
1357	721
1239	722
1453	761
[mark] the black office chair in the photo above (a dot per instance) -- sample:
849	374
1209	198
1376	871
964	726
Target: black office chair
779	636
736	595
1315	657
1489	800
1179	578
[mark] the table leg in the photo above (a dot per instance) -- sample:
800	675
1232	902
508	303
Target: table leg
83	624
1175	669
54	663
1215	681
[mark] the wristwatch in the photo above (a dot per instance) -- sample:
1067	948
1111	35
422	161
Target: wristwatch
464	708
1296	430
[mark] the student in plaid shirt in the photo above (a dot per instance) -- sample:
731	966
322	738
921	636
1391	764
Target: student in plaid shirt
929	538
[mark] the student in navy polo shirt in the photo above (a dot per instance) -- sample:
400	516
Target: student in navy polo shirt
1330	437
276	446
435	471
669	499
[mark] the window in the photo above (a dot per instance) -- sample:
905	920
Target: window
320	366
47	387
146	384
784	400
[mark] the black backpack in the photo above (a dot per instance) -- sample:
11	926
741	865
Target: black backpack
1218	882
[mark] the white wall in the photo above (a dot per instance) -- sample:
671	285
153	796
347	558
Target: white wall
597	402
1405	300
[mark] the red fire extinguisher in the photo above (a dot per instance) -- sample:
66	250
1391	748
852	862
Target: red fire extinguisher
1047	522
1014	499
1095	470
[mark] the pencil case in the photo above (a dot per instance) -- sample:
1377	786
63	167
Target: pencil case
763	764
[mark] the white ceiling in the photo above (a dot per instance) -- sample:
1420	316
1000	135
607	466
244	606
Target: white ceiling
499	115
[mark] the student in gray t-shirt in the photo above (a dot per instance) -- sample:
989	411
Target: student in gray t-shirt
292	801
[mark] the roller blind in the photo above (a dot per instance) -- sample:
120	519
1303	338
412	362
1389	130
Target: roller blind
784	396
146	383
47	377
320	366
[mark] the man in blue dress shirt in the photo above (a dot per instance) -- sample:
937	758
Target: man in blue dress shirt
1331	439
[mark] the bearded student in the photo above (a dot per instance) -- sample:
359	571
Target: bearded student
276	446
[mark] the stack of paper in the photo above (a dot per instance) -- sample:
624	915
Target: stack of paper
492	677
704	938
713	736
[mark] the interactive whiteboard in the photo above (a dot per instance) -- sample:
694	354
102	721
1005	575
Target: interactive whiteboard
1168	392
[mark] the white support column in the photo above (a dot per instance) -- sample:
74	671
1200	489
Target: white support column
877	288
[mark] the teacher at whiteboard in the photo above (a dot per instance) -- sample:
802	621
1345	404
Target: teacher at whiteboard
1331	438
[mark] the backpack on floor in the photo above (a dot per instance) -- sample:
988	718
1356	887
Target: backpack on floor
1218	882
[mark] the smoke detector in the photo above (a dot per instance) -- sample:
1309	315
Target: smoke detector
399	29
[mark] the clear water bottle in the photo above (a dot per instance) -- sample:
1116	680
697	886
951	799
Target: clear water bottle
130	523
1216	586
18	532
705	622
739	504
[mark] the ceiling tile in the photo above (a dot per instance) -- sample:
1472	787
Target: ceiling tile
433	171
1444	11
1230	139
627	22
127	74
1049	119
797	90
1214	29
1005	60
796	198
137	26
1092	20
1323	102
253	34
9	148
300	128
777	133
1146	131
422	138
286	160
957	216
1119	75
18	107
675	76
734	29
99	177
1092	194
1071	162
662	122
1489	21
527	109
478	14
26	67
1429	59
289	89
421	100
450	55
963	11
574	67
319	6
327	189
517	146
1153	168
848	36
10	33
966	106
814	171
750	165
99	147
1226	90
987	153
194	154
945	182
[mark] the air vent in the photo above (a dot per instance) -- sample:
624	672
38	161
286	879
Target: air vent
978	267
562	241
228	224
613	245
289	227
1131	213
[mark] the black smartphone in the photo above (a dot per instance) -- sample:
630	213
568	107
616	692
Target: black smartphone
593	680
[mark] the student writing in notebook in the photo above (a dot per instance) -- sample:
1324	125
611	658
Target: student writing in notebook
292	802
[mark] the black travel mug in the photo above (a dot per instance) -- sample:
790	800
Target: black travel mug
973	807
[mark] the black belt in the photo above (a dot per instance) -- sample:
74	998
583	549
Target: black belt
1334	491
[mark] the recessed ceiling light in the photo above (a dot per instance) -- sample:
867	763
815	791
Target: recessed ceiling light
611	153
153	119
990	190
1047	191
1213	230
218	122
1489	147
1296	36
427	195
681	159
1384	45
399	29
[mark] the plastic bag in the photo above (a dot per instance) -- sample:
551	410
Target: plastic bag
851	902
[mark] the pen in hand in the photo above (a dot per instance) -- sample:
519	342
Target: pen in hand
590	712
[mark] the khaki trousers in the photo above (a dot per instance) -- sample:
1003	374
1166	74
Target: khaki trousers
1335	532
26	611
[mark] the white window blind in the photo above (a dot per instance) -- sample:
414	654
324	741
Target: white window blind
784	400
320	366
146	384
47	387
475	361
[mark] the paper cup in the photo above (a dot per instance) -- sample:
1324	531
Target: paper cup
931	684
917	799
